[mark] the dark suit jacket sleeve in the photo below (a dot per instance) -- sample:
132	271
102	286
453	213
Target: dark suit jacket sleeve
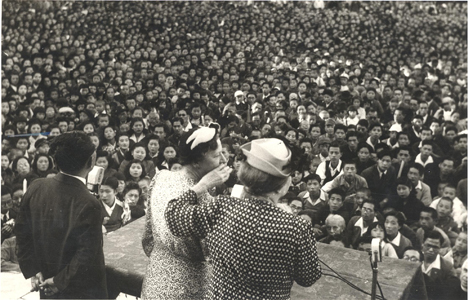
307	266
27	259
88	231
184	219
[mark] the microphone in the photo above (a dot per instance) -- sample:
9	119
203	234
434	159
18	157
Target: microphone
376	250
94	179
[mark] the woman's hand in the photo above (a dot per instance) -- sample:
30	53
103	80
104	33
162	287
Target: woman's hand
213	178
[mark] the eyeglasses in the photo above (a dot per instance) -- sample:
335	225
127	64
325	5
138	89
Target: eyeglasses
411	258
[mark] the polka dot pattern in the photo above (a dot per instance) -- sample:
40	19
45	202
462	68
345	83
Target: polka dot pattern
257	250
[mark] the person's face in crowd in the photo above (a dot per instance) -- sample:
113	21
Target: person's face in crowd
132	196
444	208
88	128
137	113
404	155
22	90
307	147
95	141
124	142
403	140
55	132
138	127
22	144
102	162
446	167
430	249
5	162
435	127
391	226
384	163
23	167
426	135
21	125
460	243
296	207
368	212
403	191
335	202
412	255
184	116
139	153
14	79
335	154
7	203
449	192
159	131
35	128
169	152
107	195
109	133
153	147
349	171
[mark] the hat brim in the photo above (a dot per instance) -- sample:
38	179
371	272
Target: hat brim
260	163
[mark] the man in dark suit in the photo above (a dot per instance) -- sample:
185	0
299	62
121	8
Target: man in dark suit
59	227
381	178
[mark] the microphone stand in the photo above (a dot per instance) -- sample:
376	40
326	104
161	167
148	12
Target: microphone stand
375	271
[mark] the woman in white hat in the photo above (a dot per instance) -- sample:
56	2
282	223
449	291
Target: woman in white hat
257	250
177	268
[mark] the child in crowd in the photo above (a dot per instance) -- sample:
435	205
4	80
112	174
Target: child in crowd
458	209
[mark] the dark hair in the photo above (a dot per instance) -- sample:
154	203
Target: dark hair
401	218
313	177
418	167
72	151
127	169
435	235
384	153
374	225
258	182
404	181
349	162
131	186
421	255
432	211
337	191
36	158
190	156
111	181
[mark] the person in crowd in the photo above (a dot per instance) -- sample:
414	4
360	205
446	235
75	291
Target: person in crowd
9	213
445	221
381	178
330	169
133	200
393	223
314	198
438	273
358	225
458	209
423	191
112	209
138	152
336	232
377	230
78	272
266	178
336	205
348	181
428	221
405	201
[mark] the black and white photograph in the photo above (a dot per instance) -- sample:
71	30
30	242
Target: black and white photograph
189	150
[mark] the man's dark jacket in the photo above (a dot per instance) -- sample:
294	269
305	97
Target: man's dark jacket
59	233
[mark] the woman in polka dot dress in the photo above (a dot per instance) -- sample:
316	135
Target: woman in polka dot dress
177	267
257	250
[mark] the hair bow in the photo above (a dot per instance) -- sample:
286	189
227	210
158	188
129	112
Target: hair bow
201	135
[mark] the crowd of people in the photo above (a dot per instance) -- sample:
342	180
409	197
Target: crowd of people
371	95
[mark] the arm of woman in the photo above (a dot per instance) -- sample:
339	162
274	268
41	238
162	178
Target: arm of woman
185	219
148	239
307	267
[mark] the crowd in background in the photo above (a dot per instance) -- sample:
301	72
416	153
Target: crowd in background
372	94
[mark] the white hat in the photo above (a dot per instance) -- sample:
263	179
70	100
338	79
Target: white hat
238	93
66	110
396	127
344	75
268	155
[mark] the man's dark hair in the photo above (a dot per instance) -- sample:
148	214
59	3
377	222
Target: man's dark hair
432	211
337	191
71	151
435	235
418	167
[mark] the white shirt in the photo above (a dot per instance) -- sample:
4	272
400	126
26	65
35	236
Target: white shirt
82	179
360	223
322	197
419	160
434	265
396	240
321	169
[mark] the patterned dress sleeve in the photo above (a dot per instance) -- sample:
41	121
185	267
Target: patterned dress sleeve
184	219
308	269
148	238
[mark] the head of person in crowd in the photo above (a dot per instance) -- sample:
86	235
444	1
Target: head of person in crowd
131	194
108	191
41	164
134	171
413	255
431	247
336	199
428	219
296	205
394	220
336	226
